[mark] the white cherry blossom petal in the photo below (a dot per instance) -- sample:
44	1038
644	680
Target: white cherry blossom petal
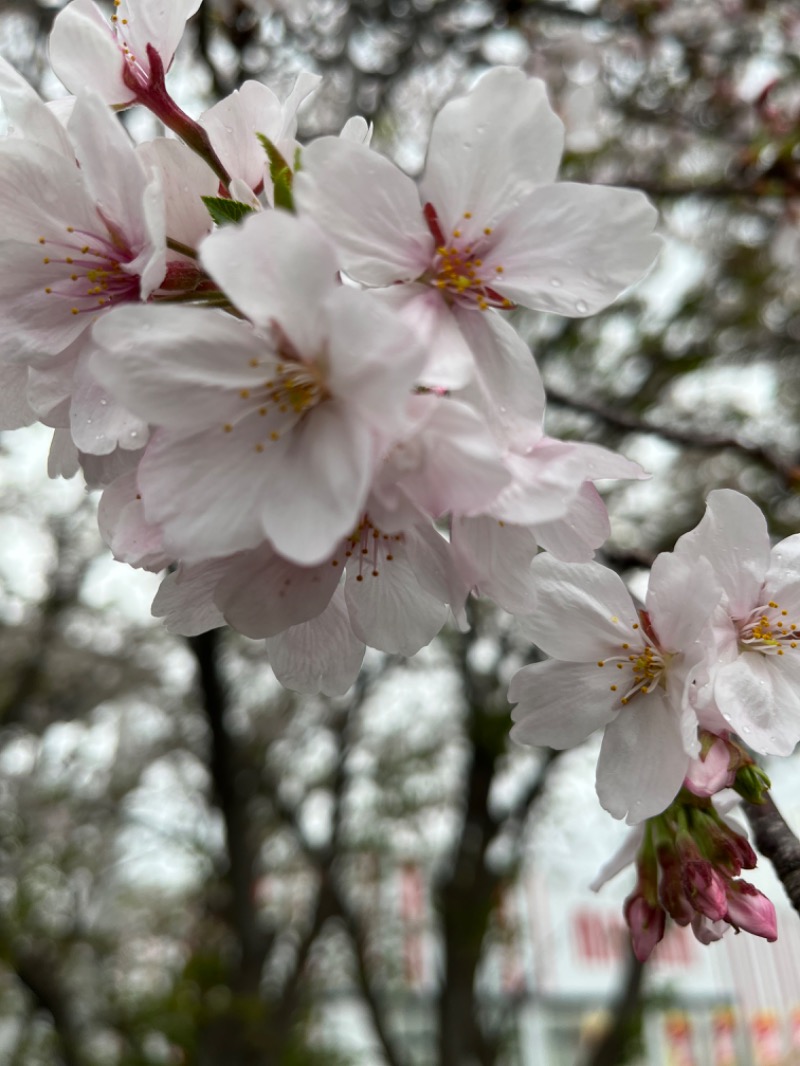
321	655
642	761
559	704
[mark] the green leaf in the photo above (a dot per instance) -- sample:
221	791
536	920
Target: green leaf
224	211
280	172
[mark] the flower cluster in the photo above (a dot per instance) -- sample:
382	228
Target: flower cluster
710	661
714	652
688	862
291	369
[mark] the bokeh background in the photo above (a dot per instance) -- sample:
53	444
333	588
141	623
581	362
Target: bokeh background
197	867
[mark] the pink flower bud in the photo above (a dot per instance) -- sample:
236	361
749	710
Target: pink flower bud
646	922
705	889
711	772
750	910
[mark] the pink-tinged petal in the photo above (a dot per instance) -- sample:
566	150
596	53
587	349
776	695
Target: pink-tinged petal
160	25
184	599
712	772
750	910
275	266
642	762
85	55
185	178
28	115
389	609
123	527
41	193
450	359
177	366
368	207
34	322
681	596
623	857
98	423
575	537
372	360
113	173
261	594
494	558
508	388
491	147
206	491
707	932
100	471
452	463
233	126
545	479
573	248
15	411
733	536
316	480
647	922
782	582
322	655
559	704
62	460
759	697
583	610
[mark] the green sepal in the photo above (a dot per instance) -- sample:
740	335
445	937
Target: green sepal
280	172
752	784
224	211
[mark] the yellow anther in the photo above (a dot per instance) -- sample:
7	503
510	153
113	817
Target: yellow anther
467	214
498	270
228	427
70	229
74	311
456	232
259	447
254	362
772	603
42	240
613	688
274	435
45	260
48	290
600	662
487	230
245	394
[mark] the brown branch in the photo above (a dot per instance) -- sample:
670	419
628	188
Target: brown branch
224	767
630	423
776	841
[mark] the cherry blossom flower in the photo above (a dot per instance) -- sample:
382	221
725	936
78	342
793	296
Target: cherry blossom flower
266	430
488	227
756	685
80	234
114	56
615	668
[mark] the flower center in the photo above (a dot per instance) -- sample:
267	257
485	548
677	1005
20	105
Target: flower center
278	403
767	630
459	270
641	668
368	548
88	271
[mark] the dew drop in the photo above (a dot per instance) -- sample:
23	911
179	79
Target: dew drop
581	307
555	282
104	403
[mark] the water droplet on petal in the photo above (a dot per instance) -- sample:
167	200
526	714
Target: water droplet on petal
581	307
555	282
